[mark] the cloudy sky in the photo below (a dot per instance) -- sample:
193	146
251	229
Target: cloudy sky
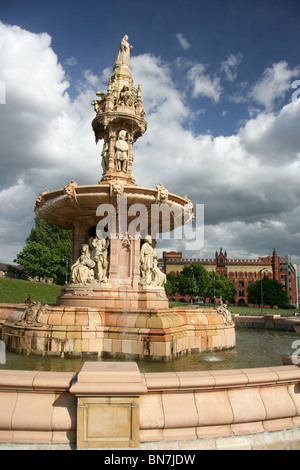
220	85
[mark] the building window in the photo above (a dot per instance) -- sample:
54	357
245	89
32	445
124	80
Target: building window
241	284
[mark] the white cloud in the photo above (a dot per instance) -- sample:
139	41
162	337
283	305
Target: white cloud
183	41
273	137
230	65
203	84
274	84
71	61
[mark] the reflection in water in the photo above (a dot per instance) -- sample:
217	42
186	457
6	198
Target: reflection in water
254	348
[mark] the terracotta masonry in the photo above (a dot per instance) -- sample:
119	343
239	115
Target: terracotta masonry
115	303
158	335
113	405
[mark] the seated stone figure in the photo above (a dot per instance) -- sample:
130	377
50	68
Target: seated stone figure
82	270
158	277
151	275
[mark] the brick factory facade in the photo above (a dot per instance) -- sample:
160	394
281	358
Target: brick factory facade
240	271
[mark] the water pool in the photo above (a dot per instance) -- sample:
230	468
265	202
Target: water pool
254	348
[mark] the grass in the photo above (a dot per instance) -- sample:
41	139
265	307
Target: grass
246	310
16	291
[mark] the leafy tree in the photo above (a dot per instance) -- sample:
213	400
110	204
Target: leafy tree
223	287
273	292
171	286
194	280
45	249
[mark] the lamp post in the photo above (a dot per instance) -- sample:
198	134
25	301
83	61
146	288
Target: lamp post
67	263
261	289
214	292
298	292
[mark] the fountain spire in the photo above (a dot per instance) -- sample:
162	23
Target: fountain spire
119	120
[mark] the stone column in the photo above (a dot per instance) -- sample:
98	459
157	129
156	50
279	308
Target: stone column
124	267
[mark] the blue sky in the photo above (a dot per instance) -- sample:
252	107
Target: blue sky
216	79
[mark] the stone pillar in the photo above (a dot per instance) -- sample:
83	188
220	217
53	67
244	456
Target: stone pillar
124	267
108	405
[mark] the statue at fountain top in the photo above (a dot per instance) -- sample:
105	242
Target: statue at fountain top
123	57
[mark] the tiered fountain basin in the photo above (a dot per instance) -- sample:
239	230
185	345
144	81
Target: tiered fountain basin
160	334
66	209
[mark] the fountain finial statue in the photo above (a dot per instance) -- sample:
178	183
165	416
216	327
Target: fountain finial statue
123	57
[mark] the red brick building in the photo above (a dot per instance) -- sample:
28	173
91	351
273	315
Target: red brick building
240	271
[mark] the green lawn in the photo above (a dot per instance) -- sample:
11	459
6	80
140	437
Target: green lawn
246	310
15	291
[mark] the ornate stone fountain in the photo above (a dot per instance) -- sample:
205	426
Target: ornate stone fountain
115	303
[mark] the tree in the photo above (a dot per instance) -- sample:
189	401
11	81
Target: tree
171	285
220	286
273	292
46	248
194	281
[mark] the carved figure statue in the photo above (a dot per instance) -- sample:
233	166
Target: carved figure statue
123	57
158	277
70	190
99	105
40	199
151	275
82	270
32	314
126	97
105	155
121	152
99	254
147	261
223	310
162	194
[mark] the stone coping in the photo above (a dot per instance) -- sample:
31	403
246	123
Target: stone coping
123	373
217	379
113	378
268	321
35	380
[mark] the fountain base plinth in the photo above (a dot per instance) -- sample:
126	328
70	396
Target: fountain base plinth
123	298
154	334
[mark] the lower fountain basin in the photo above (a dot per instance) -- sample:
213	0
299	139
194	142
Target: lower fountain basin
155	334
